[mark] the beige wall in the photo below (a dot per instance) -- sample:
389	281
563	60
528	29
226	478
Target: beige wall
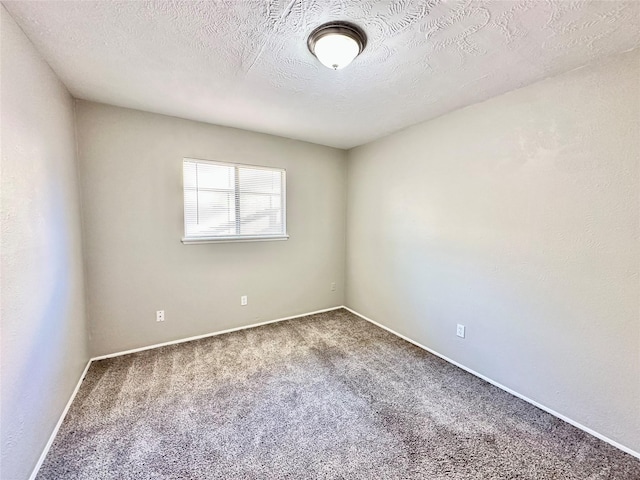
131	170
517	217
42	295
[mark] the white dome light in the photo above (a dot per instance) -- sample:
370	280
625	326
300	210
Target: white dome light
336	44
336	51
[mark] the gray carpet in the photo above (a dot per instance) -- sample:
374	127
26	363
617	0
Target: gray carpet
325	396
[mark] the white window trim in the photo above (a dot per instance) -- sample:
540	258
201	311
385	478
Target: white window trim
246	238
240	238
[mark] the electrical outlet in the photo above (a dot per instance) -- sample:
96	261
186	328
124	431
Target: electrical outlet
243	300
460	331
333	286
160	316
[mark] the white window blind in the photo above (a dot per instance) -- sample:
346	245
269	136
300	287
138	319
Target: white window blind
230	202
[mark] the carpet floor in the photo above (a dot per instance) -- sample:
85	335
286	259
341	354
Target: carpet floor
328	396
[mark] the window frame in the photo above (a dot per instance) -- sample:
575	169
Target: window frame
236	238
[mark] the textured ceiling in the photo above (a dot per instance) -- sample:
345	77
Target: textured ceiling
245	63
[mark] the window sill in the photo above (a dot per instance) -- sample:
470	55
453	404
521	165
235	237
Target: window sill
197	240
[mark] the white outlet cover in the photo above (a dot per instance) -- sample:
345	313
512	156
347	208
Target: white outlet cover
160	316
460	331
243	300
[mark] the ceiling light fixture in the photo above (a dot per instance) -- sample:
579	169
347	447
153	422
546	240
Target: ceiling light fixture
337	44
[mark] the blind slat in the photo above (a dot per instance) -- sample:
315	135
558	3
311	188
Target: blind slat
226	200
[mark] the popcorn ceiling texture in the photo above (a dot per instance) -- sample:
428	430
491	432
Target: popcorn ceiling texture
245	63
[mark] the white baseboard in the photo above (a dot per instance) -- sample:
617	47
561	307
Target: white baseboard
36	469
506	389
173	342
126	352
212	334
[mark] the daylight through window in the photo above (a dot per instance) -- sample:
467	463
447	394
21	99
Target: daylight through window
231	202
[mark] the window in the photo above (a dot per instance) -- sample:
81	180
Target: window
232	202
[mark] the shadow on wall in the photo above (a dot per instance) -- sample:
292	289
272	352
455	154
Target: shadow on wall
28	389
